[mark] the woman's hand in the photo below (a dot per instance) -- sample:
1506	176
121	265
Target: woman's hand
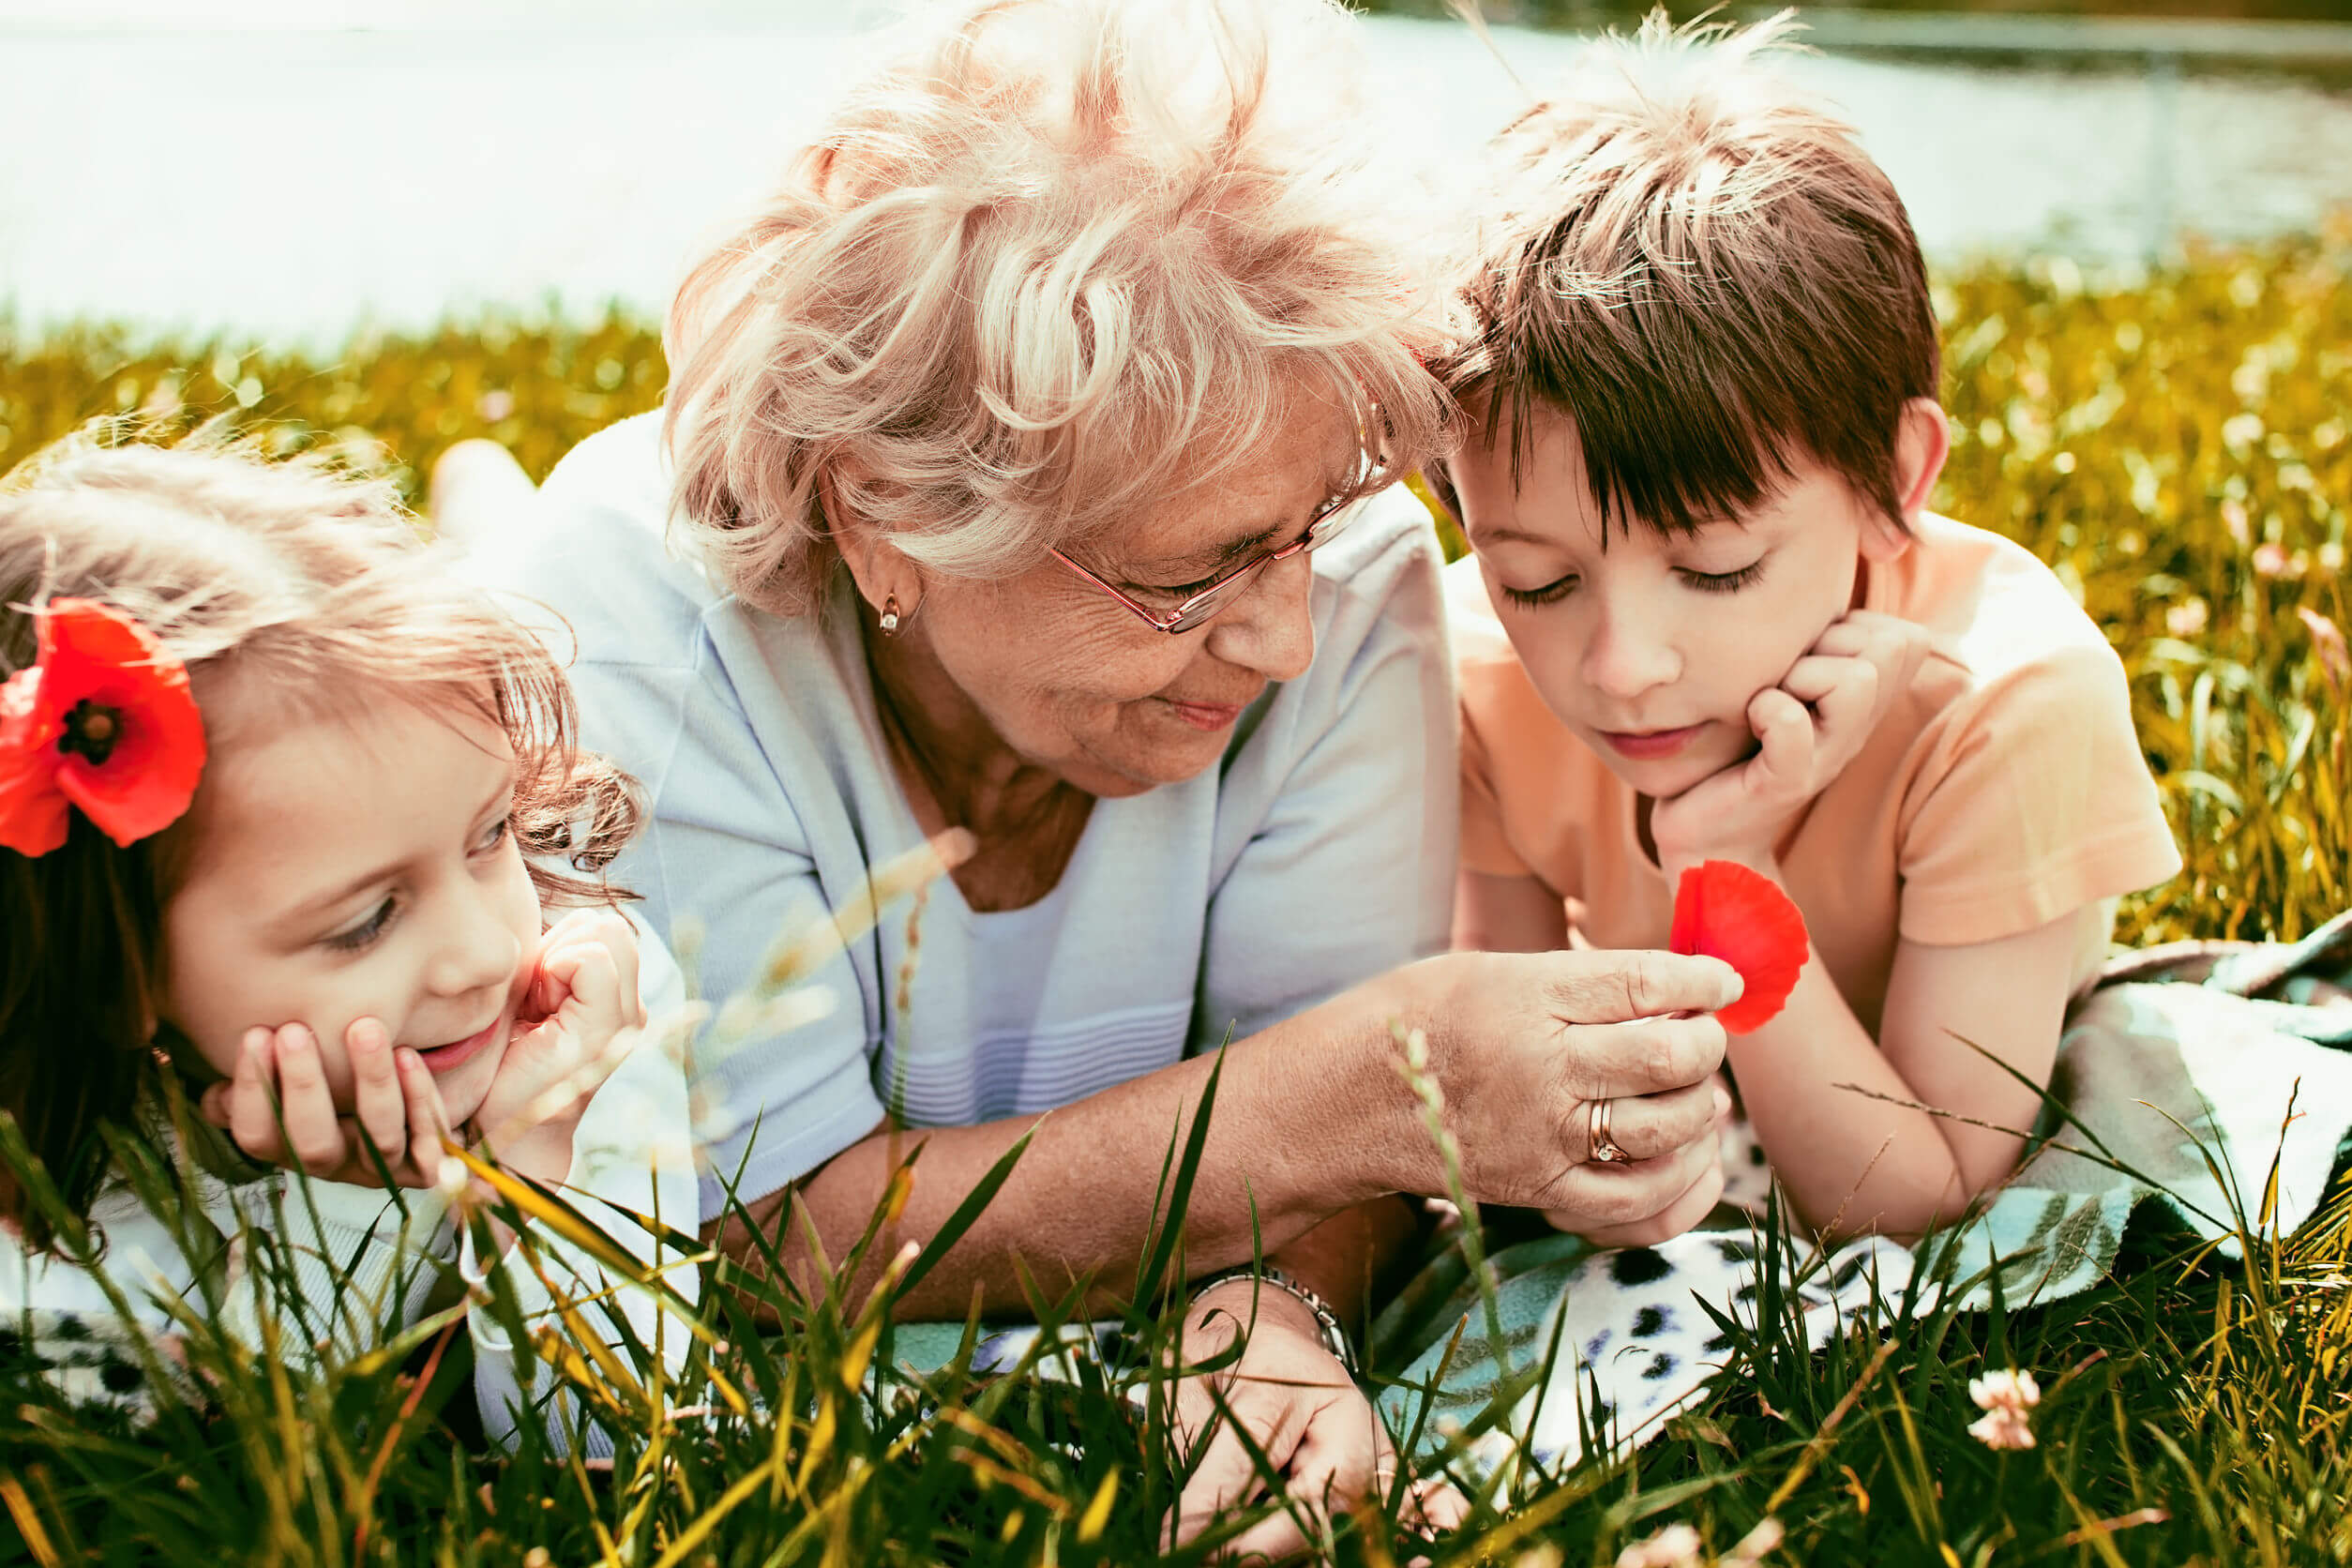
1521	1045
1807	729
1316	1428
396	1122
577	1023
1695	1203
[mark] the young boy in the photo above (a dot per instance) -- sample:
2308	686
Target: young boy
1710	617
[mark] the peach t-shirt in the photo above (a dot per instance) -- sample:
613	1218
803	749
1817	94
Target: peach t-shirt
2006	790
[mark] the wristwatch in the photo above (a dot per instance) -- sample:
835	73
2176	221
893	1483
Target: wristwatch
1328	1332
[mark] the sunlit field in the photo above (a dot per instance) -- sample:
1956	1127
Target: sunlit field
2178	449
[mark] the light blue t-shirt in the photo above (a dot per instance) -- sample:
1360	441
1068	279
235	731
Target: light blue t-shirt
1320	852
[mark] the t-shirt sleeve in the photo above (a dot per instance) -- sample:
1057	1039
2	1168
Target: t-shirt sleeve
726	870
1348	871
2035	803
724	865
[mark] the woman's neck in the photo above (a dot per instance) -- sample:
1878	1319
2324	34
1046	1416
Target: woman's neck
957	771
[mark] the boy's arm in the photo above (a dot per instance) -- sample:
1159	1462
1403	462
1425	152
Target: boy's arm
1507	915
1838	1110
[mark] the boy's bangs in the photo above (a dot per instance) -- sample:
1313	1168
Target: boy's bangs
1672	446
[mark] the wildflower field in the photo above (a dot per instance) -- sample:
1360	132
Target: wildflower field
2180	448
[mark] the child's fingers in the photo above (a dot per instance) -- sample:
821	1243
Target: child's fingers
1857	631
1784	733
427	1123
598	927
376	1089
591	979
253	1118
1816	675
313	1131
1890	644
1849	708
619	938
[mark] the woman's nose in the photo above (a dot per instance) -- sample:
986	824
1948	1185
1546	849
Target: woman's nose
1270	628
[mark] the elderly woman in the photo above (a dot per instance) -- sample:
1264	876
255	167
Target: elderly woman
1025	471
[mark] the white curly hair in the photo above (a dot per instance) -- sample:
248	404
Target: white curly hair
1058	260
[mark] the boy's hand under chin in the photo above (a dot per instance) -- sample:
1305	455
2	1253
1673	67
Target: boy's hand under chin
1808	729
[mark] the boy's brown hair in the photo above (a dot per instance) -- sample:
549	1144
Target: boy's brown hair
1694	261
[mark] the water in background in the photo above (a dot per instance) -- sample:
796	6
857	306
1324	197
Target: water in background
292	177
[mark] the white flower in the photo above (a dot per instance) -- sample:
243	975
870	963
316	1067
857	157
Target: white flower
1674	1546
2004	1397
2009	1392
2002	1429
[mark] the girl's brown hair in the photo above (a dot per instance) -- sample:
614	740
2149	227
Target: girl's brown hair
305	591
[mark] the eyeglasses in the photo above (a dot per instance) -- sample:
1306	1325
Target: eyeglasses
1223	590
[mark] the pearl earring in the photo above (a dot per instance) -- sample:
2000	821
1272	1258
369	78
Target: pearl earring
890	614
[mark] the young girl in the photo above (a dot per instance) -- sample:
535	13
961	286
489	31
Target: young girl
280	799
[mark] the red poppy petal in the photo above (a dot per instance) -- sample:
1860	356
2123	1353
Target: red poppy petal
1726	911
88	647
33	817
93	653
32	808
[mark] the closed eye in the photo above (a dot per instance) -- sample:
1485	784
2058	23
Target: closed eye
1725	583
1187	590
1183	590
1535	598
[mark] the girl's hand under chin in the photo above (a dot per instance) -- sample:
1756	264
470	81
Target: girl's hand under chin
577	1024
396	1123
579	1021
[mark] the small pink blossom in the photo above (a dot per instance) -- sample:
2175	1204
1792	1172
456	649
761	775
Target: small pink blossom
2187	618
2010	1389
495	405
2002	1429
2004	1397
2270	559
1674	1546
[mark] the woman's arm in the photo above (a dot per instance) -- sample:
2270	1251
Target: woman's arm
1312	1116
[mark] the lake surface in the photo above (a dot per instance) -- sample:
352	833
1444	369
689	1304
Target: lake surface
285	171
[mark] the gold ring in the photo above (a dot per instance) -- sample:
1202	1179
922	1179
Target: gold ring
1603	1149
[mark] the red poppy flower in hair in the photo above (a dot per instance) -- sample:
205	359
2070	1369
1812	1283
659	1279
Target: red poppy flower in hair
1726	911
101	720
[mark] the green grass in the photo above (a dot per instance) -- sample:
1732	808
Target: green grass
2180	449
